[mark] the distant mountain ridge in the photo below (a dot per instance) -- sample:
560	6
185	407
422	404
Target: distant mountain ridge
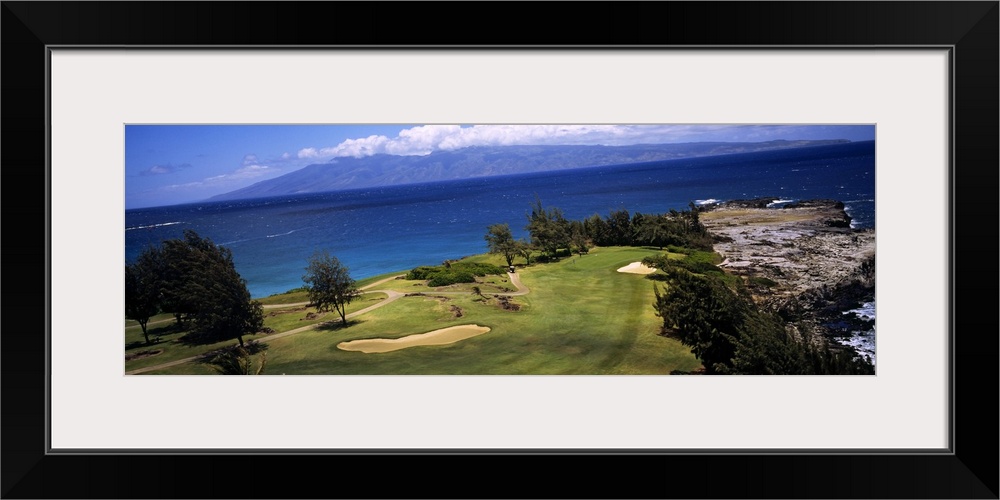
485	161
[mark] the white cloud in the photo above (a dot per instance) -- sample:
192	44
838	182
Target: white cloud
166	168
251	171
422	140
228	179
367	146
243	173
510	135
186	186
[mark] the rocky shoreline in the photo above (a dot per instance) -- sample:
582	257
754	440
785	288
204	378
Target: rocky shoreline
801	260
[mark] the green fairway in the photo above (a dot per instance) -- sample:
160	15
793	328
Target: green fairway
581	316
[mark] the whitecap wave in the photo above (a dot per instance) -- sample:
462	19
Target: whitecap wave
865	312
847	210
706	202
863	344
862	341
154	225
779	202
286	234
234	242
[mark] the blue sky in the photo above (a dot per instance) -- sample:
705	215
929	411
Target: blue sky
172	164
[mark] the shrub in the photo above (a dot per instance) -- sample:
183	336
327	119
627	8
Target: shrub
479	268
451	277
422	272
677	249
458	272
762	281
698	266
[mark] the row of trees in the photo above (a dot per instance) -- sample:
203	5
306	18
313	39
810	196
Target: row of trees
551	232
679	228
196	280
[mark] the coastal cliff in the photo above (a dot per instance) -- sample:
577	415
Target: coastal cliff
801	260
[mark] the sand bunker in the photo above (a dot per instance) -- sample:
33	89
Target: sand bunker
437	337
637	268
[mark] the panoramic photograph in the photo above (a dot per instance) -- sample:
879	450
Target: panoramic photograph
499	249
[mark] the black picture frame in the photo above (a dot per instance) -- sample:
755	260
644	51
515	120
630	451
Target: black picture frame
970	29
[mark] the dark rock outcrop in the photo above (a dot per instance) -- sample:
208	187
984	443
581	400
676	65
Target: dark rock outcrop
819	266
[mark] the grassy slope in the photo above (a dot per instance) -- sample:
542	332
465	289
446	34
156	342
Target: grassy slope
279	319
581	317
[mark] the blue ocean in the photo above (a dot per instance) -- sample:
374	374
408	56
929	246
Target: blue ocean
386	229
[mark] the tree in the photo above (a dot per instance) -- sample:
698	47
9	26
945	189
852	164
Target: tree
694	222
703	314
578	237
142	288
732	335
597	229
225	309
330	284
194	279
620	227
501	241
239	360
525	249
180	274
658	230
200	280
549	229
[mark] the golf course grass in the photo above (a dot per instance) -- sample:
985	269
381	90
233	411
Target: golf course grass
579	316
